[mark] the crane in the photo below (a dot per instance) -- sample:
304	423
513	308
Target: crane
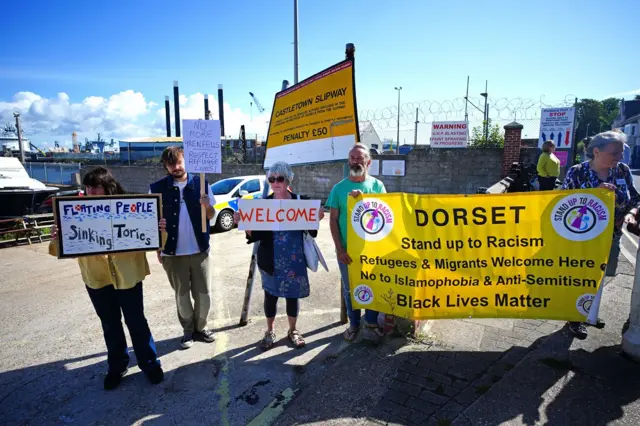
258	105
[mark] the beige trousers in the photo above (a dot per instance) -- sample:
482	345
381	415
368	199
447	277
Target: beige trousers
189	277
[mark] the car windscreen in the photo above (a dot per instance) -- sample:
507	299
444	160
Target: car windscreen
224	186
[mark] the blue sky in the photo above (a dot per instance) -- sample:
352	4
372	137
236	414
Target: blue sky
101	49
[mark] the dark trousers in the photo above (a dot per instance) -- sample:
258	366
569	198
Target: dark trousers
547	183
271	306
109	303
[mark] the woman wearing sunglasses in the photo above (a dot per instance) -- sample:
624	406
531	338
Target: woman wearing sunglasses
281	261
604	170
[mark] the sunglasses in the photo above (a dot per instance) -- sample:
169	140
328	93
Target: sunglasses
278	179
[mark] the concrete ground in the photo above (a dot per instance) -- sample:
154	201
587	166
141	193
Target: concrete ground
463	372
53	355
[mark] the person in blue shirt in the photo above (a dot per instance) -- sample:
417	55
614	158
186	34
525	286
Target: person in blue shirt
605	170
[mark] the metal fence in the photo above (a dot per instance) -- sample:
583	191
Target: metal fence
60	173
132	153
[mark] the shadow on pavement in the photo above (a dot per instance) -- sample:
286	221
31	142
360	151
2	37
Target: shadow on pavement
449	387
39	394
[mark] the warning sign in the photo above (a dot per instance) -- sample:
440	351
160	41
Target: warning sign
315	120
449	134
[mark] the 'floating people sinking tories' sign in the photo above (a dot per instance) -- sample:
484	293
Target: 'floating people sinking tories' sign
315	120
107	224
201	143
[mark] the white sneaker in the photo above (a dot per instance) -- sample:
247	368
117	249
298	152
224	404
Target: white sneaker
187	340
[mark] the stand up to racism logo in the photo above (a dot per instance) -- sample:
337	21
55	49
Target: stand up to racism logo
580	217
372	219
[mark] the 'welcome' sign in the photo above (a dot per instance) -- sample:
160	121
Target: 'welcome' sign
278	215
107	224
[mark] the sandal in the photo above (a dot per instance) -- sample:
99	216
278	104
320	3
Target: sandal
373	333
375	329
350	334
268	340
296	338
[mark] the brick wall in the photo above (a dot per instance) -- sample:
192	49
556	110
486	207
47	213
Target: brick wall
512	146
431	171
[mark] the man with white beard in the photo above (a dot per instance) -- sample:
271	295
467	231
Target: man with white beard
358	182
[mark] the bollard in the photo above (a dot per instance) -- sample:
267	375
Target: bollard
631	339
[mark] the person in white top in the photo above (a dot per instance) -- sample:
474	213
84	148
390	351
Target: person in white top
185	255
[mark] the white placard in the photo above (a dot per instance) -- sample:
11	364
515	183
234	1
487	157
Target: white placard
278	215
393	168
374	168
201	142
449	134
556	124
107	224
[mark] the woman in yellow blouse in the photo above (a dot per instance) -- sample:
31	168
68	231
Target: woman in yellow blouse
548	167
114	284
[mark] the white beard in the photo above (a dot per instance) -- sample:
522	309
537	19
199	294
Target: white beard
357	173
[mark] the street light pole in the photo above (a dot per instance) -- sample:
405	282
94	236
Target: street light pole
398	132
485	95
295	41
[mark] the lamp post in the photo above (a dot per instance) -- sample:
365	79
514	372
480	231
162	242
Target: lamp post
295	41
485	95
399	89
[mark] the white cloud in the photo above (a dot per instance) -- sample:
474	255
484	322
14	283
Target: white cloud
627	94
122	115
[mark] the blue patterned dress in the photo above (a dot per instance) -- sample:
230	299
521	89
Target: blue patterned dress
582	176
290	278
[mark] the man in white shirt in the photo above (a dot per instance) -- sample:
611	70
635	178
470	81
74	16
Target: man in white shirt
185	256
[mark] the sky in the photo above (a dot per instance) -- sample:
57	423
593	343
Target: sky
105	67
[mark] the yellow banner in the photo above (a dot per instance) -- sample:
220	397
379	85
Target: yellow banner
320	108
526	255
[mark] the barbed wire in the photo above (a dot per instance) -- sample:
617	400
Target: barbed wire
500	109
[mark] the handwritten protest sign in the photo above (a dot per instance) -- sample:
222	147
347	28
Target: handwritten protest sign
278	215
107	224
201	143
528	255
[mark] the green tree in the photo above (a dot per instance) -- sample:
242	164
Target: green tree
594	116
495	139
637	98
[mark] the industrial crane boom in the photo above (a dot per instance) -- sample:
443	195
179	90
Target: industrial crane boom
258	105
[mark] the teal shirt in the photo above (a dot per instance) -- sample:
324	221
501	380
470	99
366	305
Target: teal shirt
339	195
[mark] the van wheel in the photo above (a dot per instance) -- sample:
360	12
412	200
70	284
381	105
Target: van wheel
225	221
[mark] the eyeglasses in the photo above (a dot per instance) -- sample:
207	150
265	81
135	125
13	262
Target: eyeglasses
279	179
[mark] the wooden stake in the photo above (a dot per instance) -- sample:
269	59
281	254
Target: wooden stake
205	228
